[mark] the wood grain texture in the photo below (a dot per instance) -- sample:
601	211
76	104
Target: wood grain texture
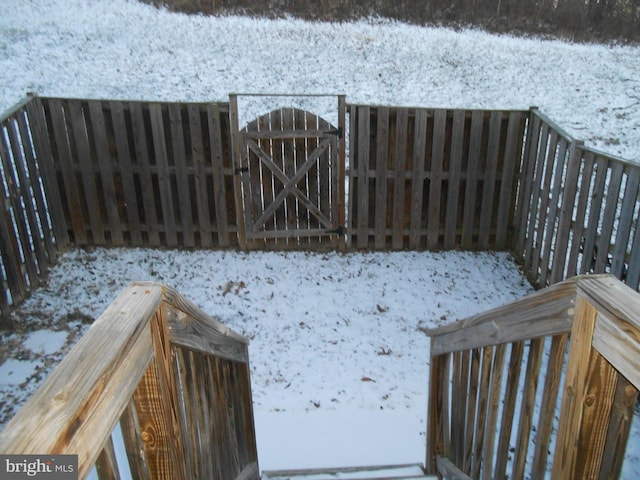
80	406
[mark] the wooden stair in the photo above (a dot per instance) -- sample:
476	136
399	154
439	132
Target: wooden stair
386	472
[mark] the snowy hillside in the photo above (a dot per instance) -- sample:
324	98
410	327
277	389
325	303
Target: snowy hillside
126	50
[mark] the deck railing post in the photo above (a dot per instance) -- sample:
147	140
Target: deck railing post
586	404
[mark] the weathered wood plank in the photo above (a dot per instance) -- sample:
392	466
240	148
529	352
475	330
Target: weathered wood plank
589	245
435	182
435	417
161	158
582	202
31	178
552	224
362	165
238	163
118	349
141	135
122	133
17	196
449	470
555	364
105	166
58	124
474	380
399	178
566	452
382	149
340	191
532	316
453	183
457	408
200	193
489	180
221	198
596	416
622	414
567	206
547	163
9	242
42	145
417	177
609	216
107	464
493	404
625	222
482	407
508	411
471	184
508	180
78	116
533	202
523	208
176	129
527	407
131	435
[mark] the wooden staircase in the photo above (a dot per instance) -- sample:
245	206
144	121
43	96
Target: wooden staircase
388	472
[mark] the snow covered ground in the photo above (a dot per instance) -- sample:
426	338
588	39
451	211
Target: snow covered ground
336	340
339	361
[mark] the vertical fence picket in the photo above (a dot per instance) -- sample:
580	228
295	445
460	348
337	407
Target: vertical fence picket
48	178
164	178
508	188
471	183
127	176
435	180
176	129
417	178
452	216
141	136
489	179
83	161
105	156
382	148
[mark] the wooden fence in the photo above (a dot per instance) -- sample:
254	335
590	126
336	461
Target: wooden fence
29	234
436	179
142	174
577	210
503	381
117	173
174	379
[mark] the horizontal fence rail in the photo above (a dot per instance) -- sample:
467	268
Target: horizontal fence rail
436	179
503	382
172	380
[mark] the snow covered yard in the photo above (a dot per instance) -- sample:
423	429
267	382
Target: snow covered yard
339	359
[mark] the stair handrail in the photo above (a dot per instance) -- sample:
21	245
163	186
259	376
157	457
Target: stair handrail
602	317
132	366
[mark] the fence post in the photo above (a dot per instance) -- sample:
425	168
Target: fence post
342	119
586	404
236	154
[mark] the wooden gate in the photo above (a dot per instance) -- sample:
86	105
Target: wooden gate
289	188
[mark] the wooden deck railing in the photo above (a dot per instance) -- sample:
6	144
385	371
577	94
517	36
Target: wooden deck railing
504	381
176	380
